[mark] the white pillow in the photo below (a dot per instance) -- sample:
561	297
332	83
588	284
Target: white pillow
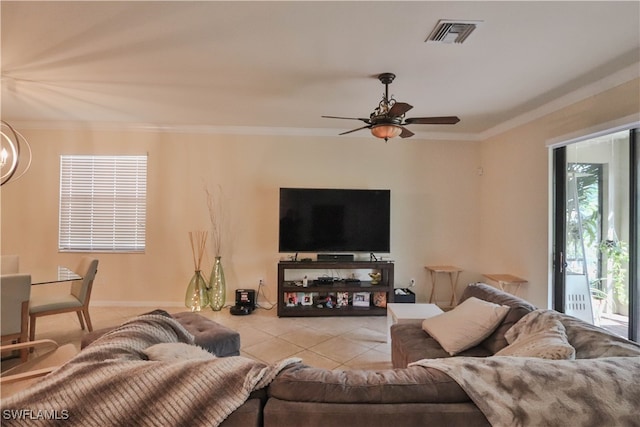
176	351
466	325
545	344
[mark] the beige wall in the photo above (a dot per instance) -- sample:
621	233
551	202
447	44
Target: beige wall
434	185
443	211
515	228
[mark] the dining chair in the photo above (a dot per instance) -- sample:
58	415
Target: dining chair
76	300
9	264
15	291
48	357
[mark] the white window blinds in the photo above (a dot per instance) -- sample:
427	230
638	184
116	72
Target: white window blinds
102	203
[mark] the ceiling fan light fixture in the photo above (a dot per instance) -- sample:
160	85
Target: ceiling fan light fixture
386	131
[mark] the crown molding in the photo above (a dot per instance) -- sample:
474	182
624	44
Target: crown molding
620	77
616	79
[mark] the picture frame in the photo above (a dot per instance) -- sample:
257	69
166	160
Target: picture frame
361	299
291	299
380	299
305	298
342	299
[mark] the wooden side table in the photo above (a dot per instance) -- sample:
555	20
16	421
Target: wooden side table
506	281
453	273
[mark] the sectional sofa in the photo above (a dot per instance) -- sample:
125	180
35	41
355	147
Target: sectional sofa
118	380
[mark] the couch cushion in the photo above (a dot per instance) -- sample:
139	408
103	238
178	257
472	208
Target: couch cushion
466	325
282	413
409	343
210	335
519	308
412	385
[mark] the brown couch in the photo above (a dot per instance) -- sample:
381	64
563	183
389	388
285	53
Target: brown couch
405	396
303	395
410	343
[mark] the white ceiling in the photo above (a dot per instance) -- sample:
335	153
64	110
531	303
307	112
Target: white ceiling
276	67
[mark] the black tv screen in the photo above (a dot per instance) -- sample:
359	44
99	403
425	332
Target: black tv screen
336	220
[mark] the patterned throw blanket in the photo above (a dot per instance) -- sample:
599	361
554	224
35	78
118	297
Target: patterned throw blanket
522	391
111	383
527	391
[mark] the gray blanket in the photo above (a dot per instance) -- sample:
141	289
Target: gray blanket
522	391
111	384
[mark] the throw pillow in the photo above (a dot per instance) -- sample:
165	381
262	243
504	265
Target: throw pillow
549	344
466	325
176	351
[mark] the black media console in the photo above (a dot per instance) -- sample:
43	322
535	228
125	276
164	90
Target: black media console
326	295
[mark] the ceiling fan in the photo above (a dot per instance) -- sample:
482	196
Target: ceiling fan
388	119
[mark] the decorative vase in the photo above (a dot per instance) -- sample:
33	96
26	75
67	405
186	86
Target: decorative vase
375	278
196	297
217	286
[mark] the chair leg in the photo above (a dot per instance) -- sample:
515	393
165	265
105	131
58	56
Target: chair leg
24	355
32	328
88	319
80	319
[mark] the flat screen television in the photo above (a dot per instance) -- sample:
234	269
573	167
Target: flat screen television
335	220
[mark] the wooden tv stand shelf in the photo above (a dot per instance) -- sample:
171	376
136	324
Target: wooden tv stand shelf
311	300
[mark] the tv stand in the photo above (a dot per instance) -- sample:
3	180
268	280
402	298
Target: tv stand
322	299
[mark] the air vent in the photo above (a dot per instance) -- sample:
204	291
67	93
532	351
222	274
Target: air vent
452	31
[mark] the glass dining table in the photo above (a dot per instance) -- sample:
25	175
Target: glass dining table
56	274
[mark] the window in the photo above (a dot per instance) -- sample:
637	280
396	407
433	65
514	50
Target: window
102	203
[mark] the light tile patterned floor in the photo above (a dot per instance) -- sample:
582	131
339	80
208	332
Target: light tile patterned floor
326	342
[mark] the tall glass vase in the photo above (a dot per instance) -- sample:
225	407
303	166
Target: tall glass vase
217	286
196	297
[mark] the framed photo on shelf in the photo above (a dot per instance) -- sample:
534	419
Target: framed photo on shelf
291	299
342	299
380	299
305	298
361	299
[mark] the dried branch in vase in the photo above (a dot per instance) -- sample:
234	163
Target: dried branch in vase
216	216
198	243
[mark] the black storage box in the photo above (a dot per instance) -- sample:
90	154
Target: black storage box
409	297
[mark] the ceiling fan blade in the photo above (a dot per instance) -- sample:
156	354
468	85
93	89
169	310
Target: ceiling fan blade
399	108
406	133
347	118
354	130
446	120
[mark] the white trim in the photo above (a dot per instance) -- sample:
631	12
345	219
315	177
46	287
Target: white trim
155	304
617	125
616	79
230	130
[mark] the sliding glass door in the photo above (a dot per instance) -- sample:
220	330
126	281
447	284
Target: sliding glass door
595	277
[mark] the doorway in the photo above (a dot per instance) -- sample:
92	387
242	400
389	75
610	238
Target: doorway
593	228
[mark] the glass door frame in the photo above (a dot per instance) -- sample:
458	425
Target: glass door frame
559	200
634	233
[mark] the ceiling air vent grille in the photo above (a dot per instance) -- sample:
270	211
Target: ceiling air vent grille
452	31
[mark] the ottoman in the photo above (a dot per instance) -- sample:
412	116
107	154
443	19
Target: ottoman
210	335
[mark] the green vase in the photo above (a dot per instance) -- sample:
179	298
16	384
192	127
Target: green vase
196	297
217	286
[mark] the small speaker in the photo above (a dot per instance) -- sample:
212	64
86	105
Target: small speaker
335	257
246	298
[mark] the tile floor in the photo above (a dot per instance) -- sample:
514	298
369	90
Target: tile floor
325	342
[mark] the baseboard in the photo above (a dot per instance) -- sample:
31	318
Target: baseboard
137	304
